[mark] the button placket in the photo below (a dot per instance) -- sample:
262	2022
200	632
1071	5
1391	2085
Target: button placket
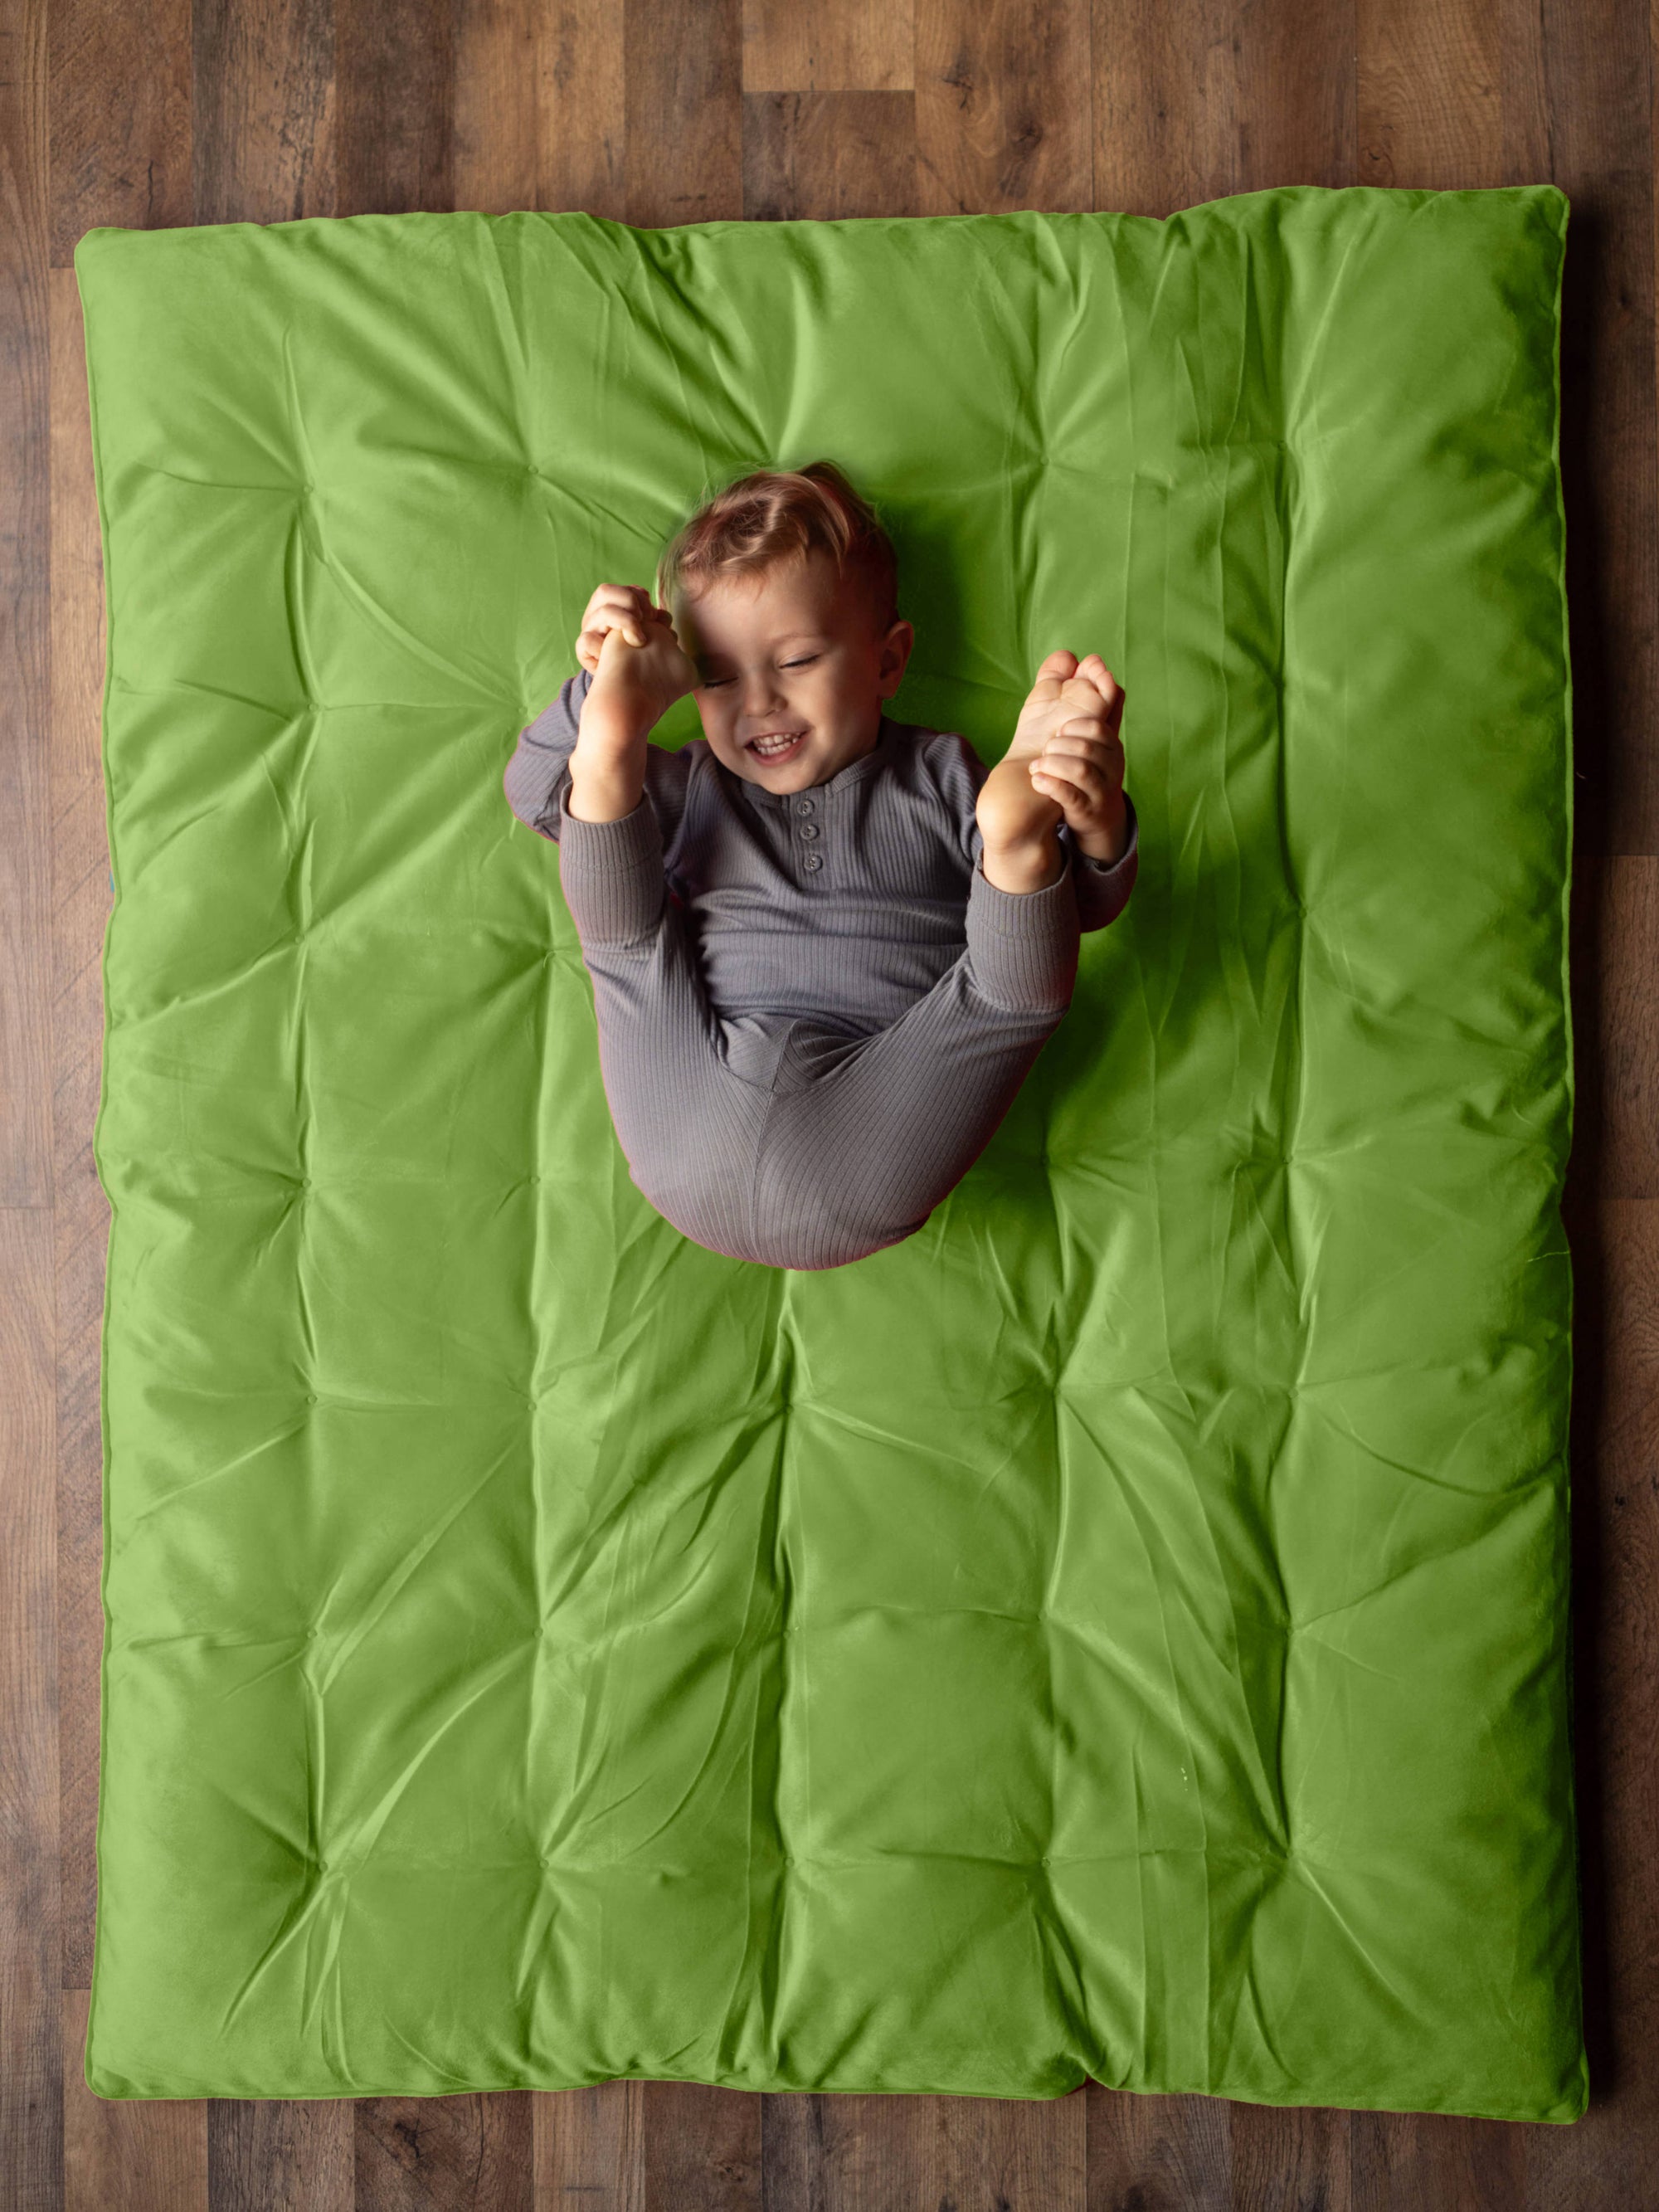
811	862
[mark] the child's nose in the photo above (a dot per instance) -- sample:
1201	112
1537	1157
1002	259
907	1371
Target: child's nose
761	693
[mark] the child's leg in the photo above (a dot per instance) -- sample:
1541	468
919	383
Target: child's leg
865	1138
687	1125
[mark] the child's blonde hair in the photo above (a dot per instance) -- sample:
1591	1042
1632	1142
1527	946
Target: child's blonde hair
776	516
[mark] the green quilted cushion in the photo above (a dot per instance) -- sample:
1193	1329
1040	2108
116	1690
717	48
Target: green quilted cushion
1119	1630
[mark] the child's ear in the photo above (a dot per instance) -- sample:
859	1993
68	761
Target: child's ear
896	652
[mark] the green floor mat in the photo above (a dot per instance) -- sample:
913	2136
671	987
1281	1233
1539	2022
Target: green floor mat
1119	1630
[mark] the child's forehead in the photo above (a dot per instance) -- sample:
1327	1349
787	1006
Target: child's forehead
773	606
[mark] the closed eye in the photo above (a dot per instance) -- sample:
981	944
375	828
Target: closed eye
713	682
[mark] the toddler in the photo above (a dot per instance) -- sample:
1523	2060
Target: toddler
826	947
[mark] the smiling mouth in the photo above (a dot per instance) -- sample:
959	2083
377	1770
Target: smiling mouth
777	745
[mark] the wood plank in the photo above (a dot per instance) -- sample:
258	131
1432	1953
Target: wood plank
1192	103
1003	106
465	2154
281	2157
126	2154
120	99
1011	2153
1451	95
30	2092
1424	2162
1612	2156
1430	92
81	1218
25	629
850	2154
540	111
702	2149
1159	2154
394	67
1614	958
867	2154
1600	146
590	2144
1165	135
30	2060
1284	2157
263	110
828	155
837	46
683	113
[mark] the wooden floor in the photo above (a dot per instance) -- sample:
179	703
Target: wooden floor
667	112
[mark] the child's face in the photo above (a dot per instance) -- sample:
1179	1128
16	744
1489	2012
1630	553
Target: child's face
794	651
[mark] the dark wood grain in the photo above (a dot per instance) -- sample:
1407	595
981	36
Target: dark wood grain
1281	2158
139	2154
702	2148
1595	63
25	630
839	45
1612	2156
1003	106
283	2157
540	106
81	901
30	2059
1159	2154
1430	83
1209	98
857	2154
31	2142
590	2148
472	2153
119	79
394	113
263	110
658	114
828	155
683	111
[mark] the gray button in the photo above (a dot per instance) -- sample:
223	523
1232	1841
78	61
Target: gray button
802	807
809	828
813	860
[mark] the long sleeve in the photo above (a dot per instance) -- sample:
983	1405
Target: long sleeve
536	780
1103	888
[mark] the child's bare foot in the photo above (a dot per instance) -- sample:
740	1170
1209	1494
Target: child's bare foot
1017	822
1065	763
638	671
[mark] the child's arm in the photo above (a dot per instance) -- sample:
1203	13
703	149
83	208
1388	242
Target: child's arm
1103	886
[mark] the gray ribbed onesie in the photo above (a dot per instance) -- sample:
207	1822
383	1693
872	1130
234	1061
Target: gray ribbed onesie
813	1007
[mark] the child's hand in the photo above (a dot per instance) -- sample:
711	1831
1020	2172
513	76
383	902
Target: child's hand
1067	735
638	667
